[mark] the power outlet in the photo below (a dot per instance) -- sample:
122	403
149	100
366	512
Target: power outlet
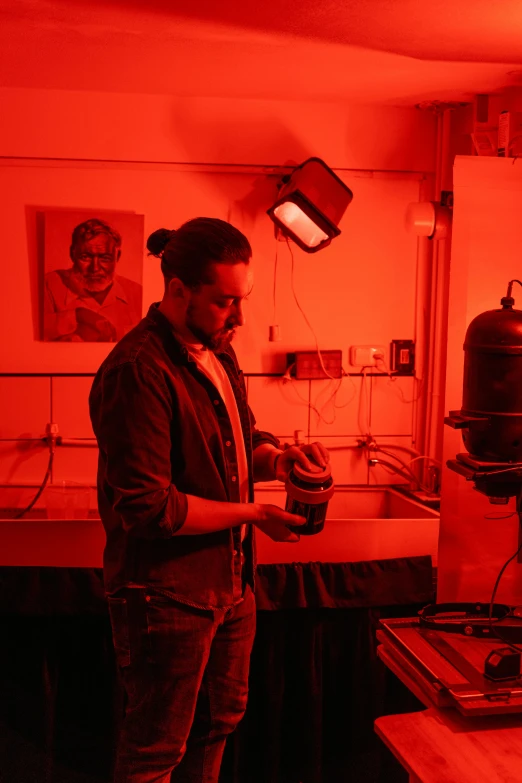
402	357
307	366
366	355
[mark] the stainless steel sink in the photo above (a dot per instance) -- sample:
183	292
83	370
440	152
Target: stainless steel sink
362	523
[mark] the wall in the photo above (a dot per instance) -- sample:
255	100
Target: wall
477	538
110	126
361	290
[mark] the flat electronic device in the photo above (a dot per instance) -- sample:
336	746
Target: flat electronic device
450	667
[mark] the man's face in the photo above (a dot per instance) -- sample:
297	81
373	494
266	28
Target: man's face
215	310
94	262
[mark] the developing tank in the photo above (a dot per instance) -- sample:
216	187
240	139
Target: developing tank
491	415
308	495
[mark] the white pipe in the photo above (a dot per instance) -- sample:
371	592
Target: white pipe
422	324
433	299
431	349
439	363
438	356
433	421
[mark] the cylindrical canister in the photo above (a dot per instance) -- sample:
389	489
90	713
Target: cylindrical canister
493	385
308	495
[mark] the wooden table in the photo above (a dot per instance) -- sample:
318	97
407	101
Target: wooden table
441	745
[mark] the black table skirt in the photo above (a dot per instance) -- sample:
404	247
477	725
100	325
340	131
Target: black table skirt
316	684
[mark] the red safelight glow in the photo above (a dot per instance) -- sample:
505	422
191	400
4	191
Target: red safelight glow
299	223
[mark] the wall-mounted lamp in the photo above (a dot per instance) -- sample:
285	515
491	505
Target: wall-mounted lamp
428	219
311	202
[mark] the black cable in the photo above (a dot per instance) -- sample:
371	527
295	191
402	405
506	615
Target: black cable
20	514
493	630
510	286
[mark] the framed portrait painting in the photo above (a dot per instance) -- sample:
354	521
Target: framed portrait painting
92	286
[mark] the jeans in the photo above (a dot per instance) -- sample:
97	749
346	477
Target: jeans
185	674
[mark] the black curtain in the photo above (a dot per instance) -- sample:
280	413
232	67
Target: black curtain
316	684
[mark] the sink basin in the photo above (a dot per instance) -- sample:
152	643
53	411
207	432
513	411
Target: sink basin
36	540
362	523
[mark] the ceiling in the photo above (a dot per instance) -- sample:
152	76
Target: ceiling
392	52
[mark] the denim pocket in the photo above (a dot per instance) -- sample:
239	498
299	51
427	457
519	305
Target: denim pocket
118	611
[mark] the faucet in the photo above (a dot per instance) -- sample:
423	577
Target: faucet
405	473
434	479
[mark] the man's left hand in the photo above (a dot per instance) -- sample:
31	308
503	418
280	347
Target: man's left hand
312	457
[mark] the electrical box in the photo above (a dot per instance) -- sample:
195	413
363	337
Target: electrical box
509	134
308	367
366	355
402	357
483	123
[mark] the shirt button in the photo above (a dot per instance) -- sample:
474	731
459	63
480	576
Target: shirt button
216	402
234	478
228	443
235	552
147	598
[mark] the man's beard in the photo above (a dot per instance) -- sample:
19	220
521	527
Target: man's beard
217	341
90	285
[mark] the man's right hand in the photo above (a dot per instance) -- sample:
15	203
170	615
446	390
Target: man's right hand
273	521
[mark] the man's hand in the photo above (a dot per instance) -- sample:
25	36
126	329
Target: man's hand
312	456
273	521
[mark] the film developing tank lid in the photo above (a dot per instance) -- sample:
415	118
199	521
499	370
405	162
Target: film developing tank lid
319	476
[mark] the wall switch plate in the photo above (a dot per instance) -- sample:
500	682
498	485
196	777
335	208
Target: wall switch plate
365	355
402	357
308	367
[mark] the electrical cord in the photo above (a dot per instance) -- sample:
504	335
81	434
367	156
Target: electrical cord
510	287
46	478
393	380
50	439
395	472
331	398
403	465
422	456
304	315
311	406
365	427
492	627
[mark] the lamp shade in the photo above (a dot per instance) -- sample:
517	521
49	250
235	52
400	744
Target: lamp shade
310	204
428	219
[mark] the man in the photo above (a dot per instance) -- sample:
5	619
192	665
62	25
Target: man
89	302
179	453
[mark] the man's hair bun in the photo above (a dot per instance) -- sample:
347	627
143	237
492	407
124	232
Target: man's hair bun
158	241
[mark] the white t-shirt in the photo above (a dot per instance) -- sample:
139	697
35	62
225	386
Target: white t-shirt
214	370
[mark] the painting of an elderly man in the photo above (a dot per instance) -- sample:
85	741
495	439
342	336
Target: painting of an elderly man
89	302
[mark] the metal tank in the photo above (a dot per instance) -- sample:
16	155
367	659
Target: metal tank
491	415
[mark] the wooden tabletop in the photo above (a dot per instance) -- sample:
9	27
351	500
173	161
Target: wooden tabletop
443	746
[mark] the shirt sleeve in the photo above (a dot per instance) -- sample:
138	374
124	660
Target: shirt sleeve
132	413
259	436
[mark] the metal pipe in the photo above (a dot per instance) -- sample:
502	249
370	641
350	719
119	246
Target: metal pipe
394	468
